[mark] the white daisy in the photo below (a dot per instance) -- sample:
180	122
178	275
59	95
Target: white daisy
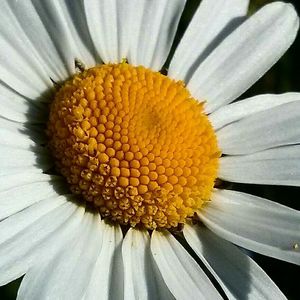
141	151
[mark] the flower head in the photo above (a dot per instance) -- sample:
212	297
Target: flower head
110	163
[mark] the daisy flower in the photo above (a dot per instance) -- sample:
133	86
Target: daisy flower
109	165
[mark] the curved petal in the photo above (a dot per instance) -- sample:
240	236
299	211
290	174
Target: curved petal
238	274
278	166
57	32
263	226
277	126
245	55
19	135
140	280
239	110
179	270
107	276
212	22
21	220
38	241
12	158
20	179
139	30
66	275
109	23
153	32
19	197
16	108
19	170
20	65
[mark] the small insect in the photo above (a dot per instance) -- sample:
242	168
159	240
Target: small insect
124	60
55	83
79	65
178	229
195	219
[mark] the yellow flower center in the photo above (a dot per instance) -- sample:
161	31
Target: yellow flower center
135	144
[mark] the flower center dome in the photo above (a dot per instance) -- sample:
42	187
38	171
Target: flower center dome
135	144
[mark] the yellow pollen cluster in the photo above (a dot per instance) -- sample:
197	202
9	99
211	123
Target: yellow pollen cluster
135	144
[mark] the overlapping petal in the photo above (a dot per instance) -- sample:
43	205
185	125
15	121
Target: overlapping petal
278	166
274	127
107	276
181	273
263	226
37	241
17	195
247	107
140	278
17	108
66	275
239	275
139	30
203	36
245	55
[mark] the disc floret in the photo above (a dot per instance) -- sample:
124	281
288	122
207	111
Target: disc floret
135	144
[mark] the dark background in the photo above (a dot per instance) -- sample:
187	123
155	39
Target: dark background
283	77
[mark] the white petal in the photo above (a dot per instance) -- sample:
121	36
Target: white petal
57	30
278	166
212	22
38	241
53	244
21	220
238	110
81	274
19	135
163	291
140	281
244	56
238	274
107	276
16	108
19	170
181	273
11	158
108	21
66	275
18	197
26	30
20	179
153	28
263	226
139	30
21	66
33	131
277	126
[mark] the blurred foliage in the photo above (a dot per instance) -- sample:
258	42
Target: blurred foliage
283	77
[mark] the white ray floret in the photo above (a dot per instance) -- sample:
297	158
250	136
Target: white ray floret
237	62
264	226
235	271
